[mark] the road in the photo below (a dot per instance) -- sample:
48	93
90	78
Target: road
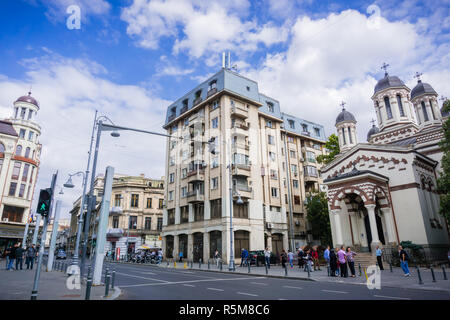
143	282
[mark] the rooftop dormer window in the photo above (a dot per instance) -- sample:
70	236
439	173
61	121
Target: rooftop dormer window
291	124
212	85
185	103
198	94
305	127
317	132
270	106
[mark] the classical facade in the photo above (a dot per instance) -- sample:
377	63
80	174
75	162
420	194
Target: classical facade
225	125
384	191
135	217
19	164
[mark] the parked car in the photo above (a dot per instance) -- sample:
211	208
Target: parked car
257	258
61	254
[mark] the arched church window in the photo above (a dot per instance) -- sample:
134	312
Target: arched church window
378	112
400	105
350	135
2	148
388	107
424	110
19	150
432	111
343	136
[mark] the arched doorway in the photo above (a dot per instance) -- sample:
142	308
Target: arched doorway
277	244
182	244
169	246
198	246
241	241
215	242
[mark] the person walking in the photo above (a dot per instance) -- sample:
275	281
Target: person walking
244	256
267	257
326	255
315	258
283	258
291	258
217	257
12	257
379	254
403	260
19	257
351	262
29	256
342	262
338	269
333	263
308	260
181	256
300	257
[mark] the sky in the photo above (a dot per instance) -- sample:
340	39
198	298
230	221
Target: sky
129	59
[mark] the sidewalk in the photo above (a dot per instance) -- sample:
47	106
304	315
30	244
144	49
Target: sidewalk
17	285
394	279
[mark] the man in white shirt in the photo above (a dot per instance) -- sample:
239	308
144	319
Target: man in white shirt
267	257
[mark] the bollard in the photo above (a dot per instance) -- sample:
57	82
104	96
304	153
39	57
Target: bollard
113	279
418	274
107	276
443	271
209	264
220	265
432	274
174	264
88	287
328	270
267	270
200	263
249	267
359	266
390	266
185	265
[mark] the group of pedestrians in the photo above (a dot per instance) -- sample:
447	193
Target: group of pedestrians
16	254
341	261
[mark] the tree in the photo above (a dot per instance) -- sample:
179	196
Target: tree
317	215
332	145
443	182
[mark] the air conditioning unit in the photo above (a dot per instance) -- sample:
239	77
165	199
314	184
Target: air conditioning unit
297	223
5	219
269	225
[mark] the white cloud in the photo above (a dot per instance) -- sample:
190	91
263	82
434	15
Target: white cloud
69	90
338	58
198	26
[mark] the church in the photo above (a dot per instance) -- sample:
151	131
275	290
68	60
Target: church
383	192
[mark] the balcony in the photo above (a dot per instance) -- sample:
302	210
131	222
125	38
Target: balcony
115	211
239	147
195	196
114	232
243	190
311	177
183	110
239	112
241	170
196	175
240	129
197	101
171	117
211	92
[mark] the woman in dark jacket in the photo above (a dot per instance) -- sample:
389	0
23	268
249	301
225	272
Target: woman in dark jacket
333	263
283	258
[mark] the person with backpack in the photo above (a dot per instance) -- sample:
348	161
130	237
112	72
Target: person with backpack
300	257
403	255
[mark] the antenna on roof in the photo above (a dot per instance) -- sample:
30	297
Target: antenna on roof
223	60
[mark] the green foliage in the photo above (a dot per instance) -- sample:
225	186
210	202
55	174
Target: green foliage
317	215
443	183
332	145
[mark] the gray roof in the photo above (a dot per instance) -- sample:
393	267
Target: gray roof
28	99
388	82
355	172
405	142
345	116
372	131
7	128
422	88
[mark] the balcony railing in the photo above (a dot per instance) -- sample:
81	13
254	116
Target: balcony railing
171	117
243	188
240	146
211	92
239	112
195	195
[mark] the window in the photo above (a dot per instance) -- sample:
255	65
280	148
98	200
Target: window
198	94
19	150
212	85
311	171
22	133
26	168
291	124
2	148
12	189
30	113
170	216
316	146
134	200
271	140
31	175
23	111
216	208
149	203
183	192
30	135
274	208
174	128
343	136
295	183
274	192
270	106
184	214
171	161
311	156
350	135
117	200
159	225
432	111
16	170
317	132
400	106
273	174
171	177
132	222
305	128
22	190
173	144
272	156
183	173
292	154
297	200
424	110
215	105
294	169
16	110
239	158
170	195
161	203
291	139
215	162
240	211
214	183
115	222
248	88
148	223
388	107
215	123
27	152
269	123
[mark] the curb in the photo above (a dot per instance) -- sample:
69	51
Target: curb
116	293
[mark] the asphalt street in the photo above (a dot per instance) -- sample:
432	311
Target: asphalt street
146	282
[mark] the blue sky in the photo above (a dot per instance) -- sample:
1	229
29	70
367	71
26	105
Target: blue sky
132	58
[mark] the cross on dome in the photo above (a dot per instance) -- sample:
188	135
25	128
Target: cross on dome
373	122
384	66
343	105
417	75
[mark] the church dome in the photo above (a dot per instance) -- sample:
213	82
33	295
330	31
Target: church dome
443	113
372	131
388	82
421	88
28	99
345	116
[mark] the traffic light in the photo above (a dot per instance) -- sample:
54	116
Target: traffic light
45	198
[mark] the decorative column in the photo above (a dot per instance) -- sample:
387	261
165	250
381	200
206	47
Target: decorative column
338	227
176	242
373	226
190	246
389	220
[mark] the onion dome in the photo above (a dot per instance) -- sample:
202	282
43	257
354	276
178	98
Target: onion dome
372	131
388	82
28	99
345	116
421	88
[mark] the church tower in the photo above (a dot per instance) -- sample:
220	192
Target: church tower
424	98
346	129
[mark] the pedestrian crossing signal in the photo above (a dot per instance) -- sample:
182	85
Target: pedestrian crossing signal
45	197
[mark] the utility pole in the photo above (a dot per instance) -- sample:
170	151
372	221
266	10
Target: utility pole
34	293
51	251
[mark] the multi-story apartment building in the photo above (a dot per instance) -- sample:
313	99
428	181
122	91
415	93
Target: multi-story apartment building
135	215
229	115
19	164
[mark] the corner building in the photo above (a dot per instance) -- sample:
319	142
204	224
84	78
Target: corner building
248	130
